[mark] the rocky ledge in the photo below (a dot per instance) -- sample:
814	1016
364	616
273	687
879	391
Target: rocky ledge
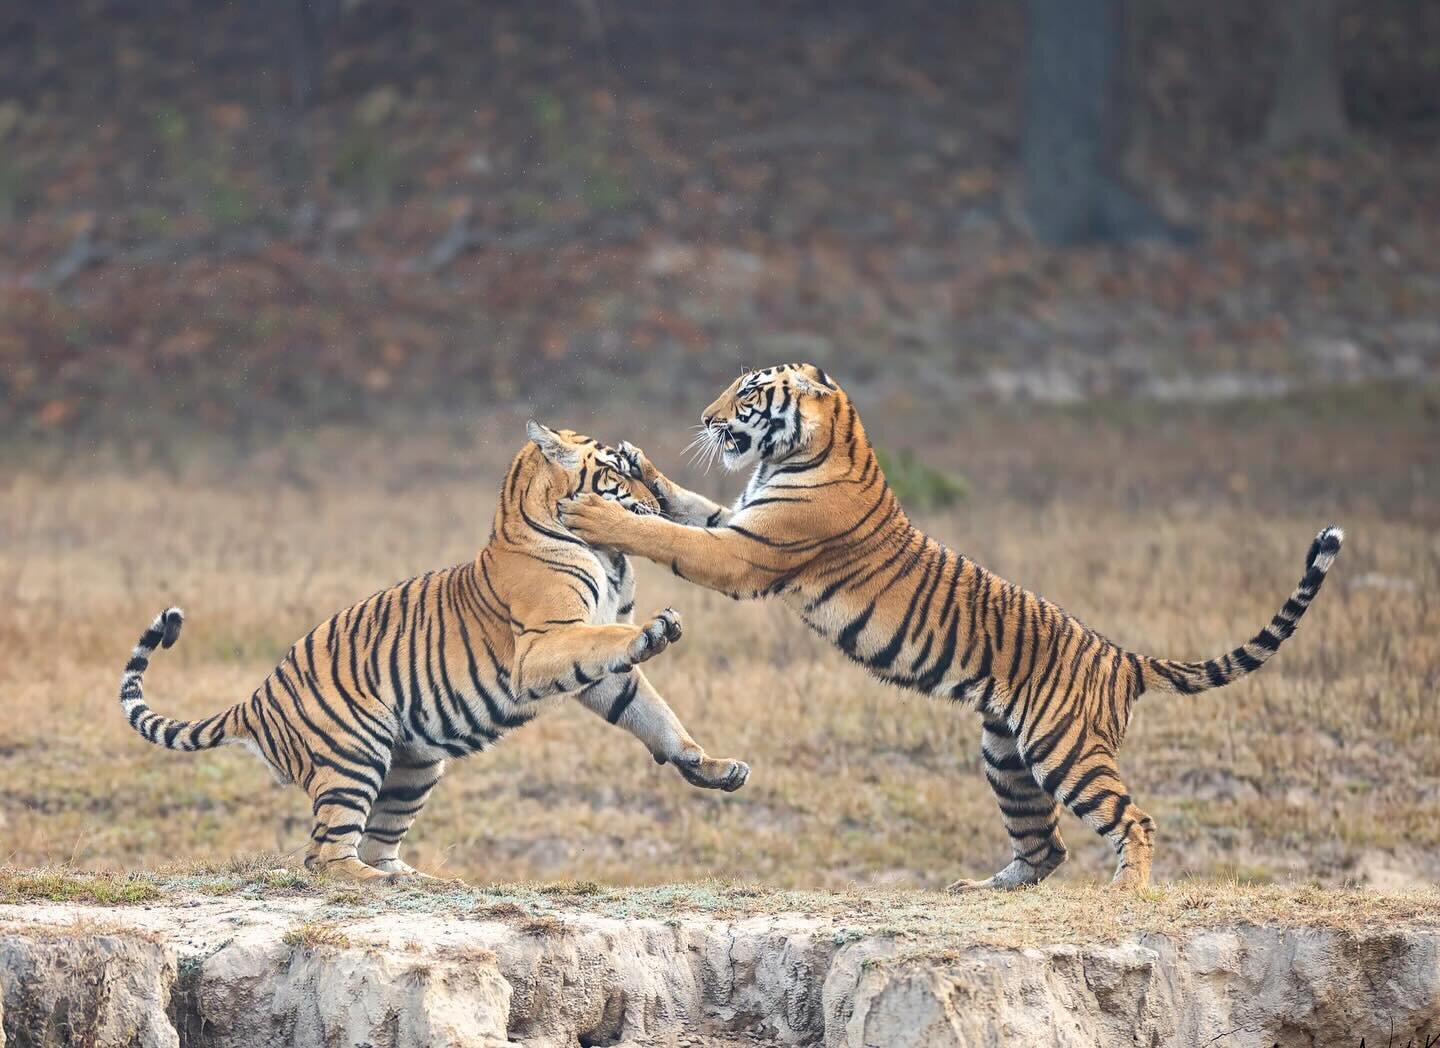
276	959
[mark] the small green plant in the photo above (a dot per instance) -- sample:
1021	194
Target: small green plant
171	127
226	203
152	221
921	487
548	111
363	164
46	886
280	878
606	190
220	887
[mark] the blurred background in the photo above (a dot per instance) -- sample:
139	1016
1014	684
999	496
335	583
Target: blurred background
1133	295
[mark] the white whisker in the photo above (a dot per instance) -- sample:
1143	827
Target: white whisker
701	446
714	448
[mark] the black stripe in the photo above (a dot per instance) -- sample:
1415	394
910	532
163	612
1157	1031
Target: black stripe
623	700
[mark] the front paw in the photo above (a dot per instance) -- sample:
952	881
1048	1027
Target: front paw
641	468
656	635
711	773
644	470
600	522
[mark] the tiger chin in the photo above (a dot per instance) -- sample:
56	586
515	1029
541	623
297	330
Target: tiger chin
818	527
365	710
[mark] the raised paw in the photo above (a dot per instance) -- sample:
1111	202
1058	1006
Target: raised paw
636	461
642	469
655	636
711	773
598	521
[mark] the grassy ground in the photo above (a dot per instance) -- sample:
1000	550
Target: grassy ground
921	920
1176	533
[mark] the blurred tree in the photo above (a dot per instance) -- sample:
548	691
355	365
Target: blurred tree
1072	137
1307	105
304	24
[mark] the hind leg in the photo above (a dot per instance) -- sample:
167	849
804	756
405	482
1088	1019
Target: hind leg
406	788
629	701
341	802
1031	815
1080	772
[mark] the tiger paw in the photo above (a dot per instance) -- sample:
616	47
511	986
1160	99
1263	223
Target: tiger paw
655	636
598	521
352	869
711	773
1019	874
642	469
400	868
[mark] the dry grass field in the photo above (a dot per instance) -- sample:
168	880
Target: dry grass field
1174	531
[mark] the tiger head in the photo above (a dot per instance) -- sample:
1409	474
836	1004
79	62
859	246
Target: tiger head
583	464
765	415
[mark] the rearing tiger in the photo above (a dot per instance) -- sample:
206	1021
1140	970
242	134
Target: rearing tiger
366	708
818	527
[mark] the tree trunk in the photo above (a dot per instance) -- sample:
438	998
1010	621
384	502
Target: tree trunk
1307	105
305	29
1071	139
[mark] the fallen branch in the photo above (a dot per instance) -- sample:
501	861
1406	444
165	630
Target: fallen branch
84	253
460	239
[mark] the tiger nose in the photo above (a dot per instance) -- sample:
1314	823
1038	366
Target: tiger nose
707	420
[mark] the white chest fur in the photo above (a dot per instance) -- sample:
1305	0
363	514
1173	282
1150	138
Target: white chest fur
615	582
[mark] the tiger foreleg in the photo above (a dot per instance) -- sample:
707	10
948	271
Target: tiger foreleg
629	701
570	657
735	559
678	504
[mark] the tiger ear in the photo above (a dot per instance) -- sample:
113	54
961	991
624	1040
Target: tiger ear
553	446
810	379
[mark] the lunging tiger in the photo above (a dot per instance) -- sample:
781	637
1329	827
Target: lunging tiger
818	527
366	708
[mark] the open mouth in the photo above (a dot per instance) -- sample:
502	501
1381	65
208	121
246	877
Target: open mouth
715	439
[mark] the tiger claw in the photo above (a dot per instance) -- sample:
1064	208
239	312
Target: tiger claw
711	773
657	635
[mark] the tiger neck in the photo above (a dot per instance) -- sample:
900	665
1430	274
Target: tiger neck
528	510
838	451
